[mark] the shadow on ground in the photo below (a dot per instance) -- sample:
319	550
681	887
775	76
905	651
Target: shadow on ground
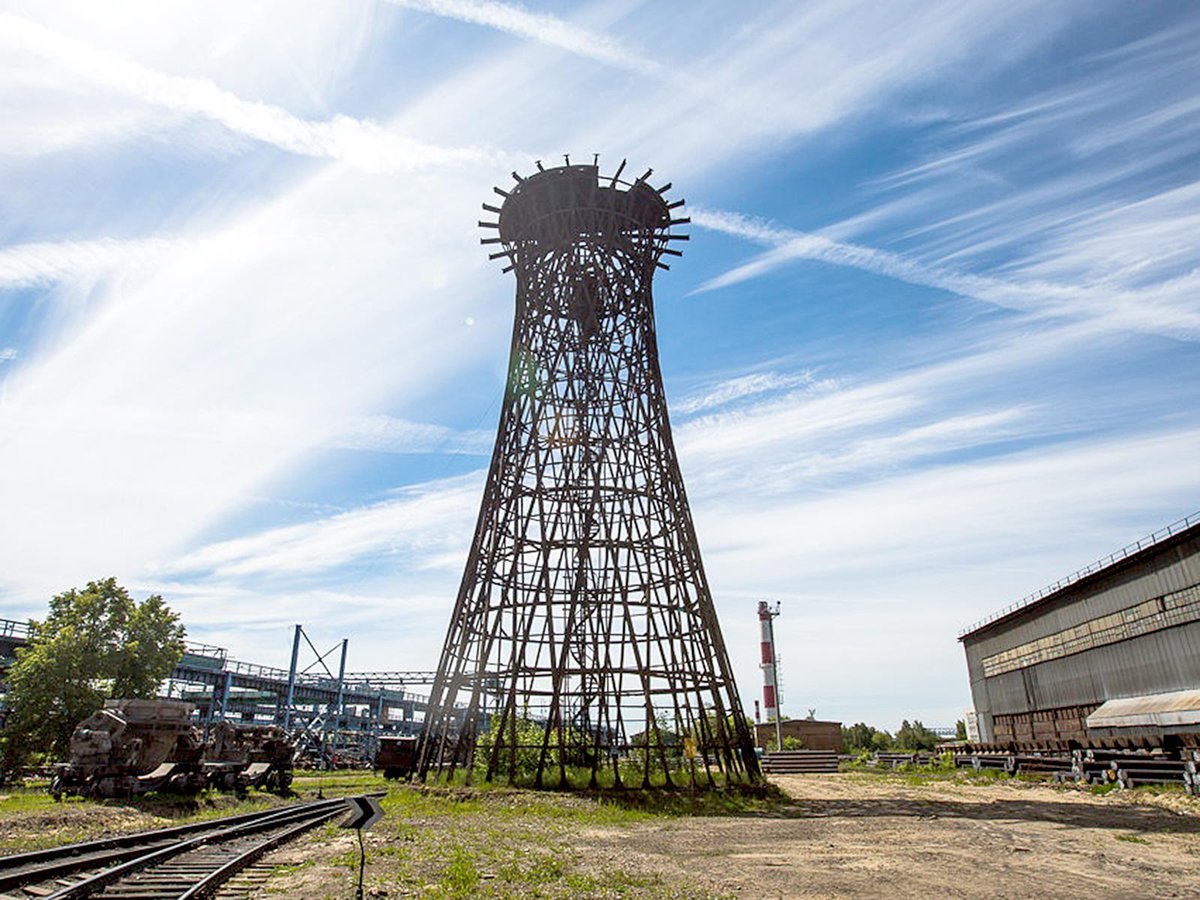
1116	817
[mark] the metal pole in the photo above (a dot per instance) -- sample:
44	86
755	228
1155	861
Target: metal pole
291	690
337	723
225	694
378	721
775	668
208	711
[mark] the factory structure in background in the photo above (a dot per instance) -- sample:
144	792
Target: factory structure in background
327	711
1110	654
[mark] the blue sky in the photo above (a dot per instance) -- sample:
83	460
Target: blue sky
933	343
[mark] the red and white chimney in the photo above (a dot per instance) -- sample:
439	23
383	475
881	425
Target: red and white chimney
770	702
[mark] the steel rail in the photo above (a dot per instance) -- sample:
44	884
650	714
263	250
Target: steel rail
136	853
310	813
17	869
215	879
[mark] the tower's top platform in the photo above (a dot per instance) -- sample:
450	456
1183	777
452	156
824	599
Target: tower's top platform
556	206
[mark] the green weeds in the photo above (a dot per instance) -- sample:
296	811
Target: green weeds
460	877
1132	839
30	819
458	842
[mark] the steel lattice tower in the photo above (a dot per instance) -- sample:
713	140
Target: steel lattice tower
584	635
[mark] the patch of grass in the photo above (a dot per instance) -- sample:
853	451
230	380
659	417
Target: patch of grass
338	783
936	774
1132	839
17	800
633	776
918	775
612	807
289	868
490	841
460	878
1173	788
200	807
30	819
346	860
538	869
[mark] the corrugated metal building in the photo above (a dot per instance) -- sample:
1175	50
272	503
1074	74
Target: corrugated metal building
1126	628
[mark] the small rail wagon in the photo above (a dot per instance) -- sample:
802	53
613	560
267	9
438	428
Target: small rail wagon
397	756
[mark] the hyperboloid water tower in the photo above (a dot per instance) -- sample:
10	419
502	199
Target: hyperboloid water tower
584	647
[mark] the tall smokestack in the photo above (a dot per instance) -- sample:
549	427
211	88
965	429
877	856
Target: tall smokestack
770	692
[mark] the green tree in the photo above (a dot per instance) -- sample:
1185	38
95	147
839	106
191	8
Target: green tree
882	740
960	730
96	642
861	736
915	736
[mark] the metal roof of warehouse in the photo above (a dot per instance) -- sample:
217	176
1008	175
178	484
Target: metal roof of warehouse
1152	711
1174	533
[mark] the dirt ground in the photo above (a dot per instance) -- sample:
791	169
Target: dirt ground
846	835
856	836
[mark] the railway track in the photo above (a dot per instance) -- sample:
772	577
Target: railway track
187	862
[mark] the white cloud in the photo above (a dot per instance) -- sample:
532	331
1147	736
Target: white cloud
918	525
1145	245
390	434
192	385
360	143
804	441
875	576
8	354
734	84
747	386
430	521
387	626
1082	192
1167	308
42	264
795	245
541	27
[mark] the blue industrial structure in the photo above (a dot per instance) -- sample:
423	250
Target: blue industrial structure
328	712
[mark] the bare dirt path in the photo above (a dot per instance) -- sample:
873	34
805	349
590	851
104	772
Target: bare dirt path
855	835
